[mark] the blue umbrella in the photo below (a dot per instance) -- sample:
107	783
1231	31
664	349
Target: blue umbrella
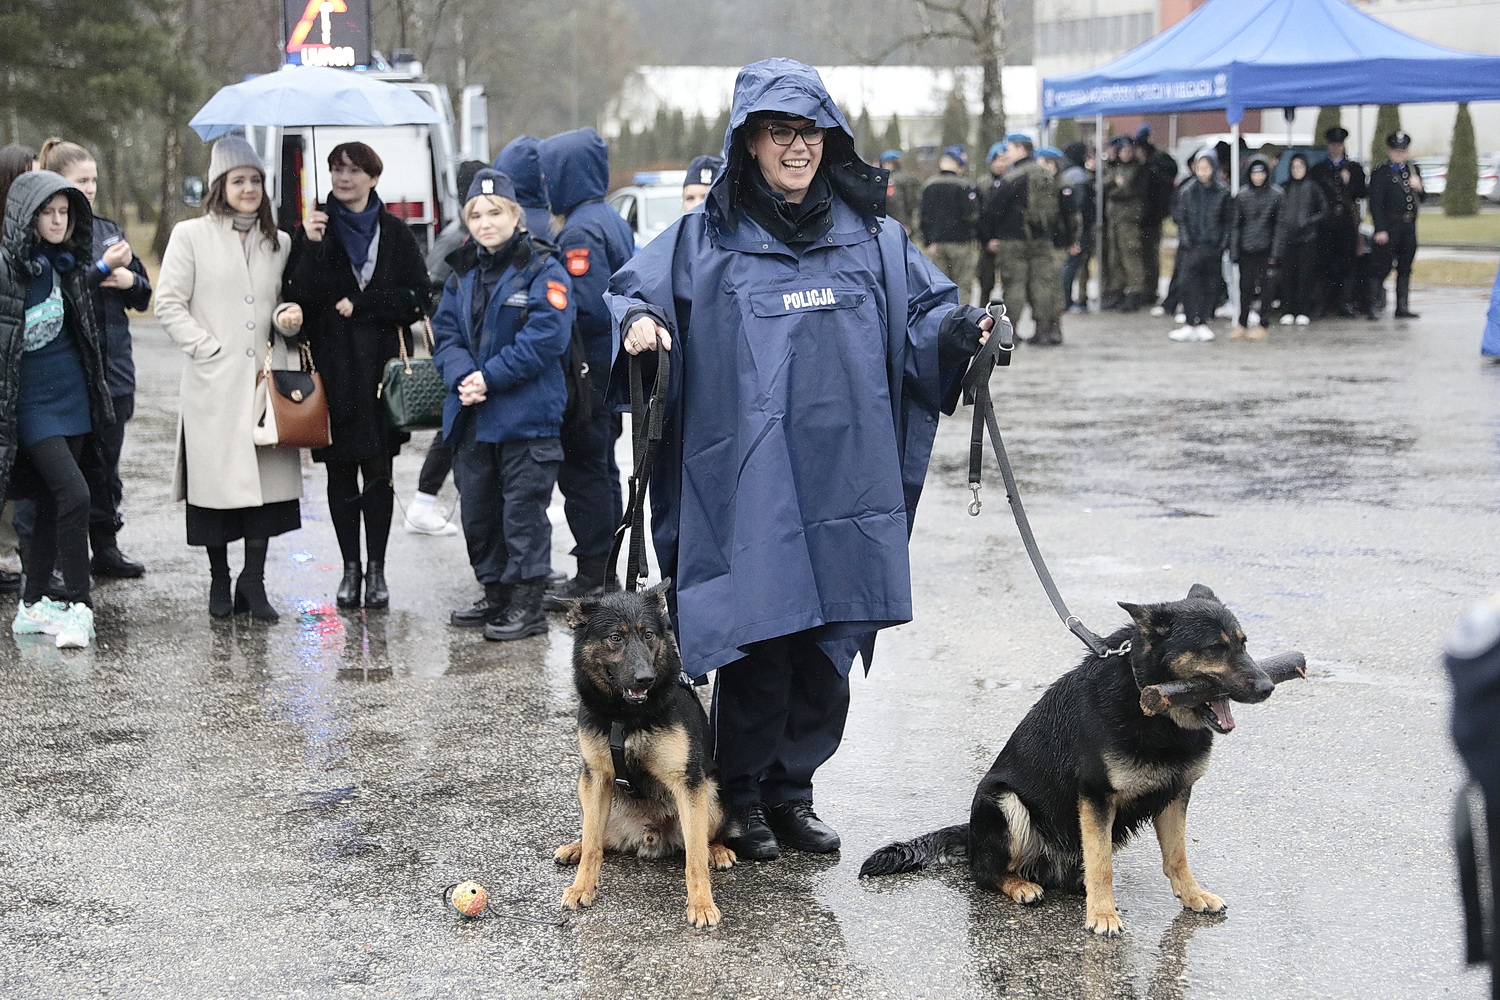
310	95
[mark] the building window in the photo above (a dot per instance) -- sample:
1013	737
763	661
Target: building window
1081	36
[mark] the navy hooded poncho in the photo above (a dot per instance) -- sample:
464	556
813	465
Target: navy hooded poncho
804	397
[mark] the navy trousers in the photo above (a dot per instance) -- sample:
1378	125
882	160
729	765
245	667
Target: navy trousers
505	489
590	481
778	715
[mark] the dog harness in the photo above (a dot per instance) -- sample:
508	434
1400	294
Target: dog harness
624	781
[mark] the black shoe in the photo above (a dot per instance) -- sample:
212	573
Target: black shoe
220	602
488	608
590	582
9	582
749	836
377	594
110	561
250	595
796	825
348	595
524	617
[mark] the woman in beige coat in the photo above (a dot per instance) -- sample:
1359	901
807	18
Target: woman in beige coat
217	298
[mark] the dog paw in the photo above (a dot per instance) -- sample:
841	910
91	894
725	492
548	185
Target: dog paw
720	857
568	854
575	896
703	915
1202	902
1021	890
1105	923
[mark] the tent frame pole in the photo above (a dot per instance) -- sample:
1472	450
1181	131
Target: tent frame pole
1099	203
1234	189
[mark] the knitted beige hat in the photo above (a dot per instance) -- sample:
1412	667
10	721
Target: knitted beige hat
230	152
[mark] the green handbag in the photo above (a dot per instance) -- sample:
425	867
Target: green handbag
412	389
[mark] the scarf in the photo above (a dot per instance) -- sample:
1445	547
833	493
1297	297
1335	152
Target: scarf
789	223
243	222
490	265
356	230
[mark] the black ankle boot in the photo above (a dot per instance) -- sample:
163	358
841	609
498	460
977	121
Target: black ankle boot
590	582
485	610
250	595
348	595
108	560
220	601
1403	300
748	835
524	617
377	595
796	825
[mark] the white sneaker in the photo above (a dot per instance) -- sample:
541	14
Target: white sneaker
10	564
1254	318
1184	334
1158	310
75	626
1179	317
1288	319
35	619
1203	332
1303	320
424	520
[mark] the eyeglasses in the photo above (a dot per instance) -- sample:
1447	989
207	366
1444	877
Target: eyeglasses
785	135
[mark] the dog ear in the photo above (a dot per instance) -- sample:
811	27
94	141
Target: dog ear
1200	591
660	593
1151	617
579	613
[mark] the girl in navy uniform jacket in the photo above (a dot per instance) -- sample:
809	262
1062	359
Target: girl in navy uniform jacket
501	330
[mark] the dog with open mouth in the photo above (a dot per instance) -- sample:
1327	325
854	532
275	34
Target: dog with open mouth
1087	768
648	784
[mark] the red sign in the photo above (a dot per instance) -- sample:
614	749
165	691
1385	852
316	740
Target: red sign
327	32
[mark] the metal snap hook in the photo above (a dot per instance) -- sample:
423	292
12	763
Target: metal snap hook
975	504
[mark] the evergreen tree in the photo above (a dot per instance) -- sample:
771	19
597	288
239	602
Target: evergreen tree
954	124
1387	120
1066	132
699	139
864	136
1328	117
892	137
1461	194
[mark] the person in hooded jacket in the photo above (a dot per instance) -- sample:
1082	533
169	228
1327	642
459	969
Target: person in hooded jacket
55	394
120	282
1256	209
359	277
504	323
812	349
1204	215
1303	207
520	161
595	242
1078	177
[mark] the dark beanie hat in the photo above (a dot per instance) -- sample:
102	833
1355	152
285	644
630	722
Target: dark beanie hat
490	182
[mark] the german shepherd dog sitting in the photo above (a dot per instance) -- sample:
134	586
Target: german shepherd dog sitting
626	668
1086	768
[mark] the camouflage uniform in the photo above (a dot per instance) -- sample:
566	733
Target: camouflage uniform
1124	204
1030	272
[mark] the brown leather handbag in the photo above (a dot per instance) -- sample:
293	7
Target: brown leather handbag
292	409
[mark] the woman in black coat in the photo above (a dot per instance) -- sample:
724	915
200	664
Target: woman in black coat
358	275
1296	252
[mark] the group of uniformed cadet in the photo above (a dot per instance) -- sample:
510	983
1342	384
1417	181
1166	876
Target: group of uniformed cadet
1028	229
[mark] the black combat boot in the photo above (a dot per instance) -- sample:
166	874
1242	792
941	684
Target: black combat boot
590	582
377	594
108	559
796	825
749	835
485	610
524	617
348	593
1375	300
1403	299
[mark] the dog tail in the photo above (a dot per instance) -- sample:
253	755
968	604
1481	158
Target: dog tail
938	849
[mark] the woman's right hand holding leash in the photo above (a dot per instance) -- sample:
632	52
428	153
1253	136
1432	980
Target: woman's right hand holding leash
644	335
315	224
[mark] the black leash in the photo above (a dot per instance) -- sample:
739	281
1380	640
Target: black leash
647	418
976	386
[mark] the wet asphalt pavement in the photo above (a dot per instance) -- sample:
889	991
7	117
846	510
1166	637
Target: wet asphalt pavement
200	809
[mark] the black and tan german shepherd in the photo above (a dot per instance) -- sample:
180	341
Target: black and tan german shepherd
1086	768
626	668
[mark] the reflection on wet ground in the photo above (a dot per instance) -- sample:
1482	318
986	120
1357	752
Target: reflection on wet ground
196	808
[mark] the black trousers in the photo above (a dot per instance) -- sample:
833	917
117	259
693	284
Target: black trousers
348	504
505	489
1336	246
1398	254
59	535
1199	288
436	466
778	715
590	480
109	490
1255	276
1299	275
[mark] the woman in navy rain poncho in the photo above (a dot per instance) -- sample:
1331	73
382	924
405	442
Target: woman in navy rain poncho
814	347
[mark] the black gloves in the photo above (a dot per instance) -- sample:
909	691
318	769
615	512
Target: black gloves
958	336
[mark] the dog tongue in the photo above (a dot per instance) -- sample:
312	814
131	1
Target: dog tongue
1220	707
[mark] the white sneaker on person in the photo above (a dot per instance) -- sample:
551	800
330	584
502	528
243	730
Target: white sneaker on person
1303	320
1288	319
1184	334
1203	332
75	626
1254	318
1158	310
422	518
1179	317
35	619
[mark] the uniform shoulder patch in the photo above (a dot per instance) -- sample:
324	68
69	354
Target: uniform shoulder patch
557	294
577	261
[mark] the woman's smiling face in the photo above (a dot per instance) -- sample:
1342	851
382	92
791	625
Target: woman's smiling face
788	170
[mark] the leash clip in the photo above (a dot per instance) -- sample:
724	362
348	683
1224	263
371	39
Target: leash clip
974	504
1123	649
